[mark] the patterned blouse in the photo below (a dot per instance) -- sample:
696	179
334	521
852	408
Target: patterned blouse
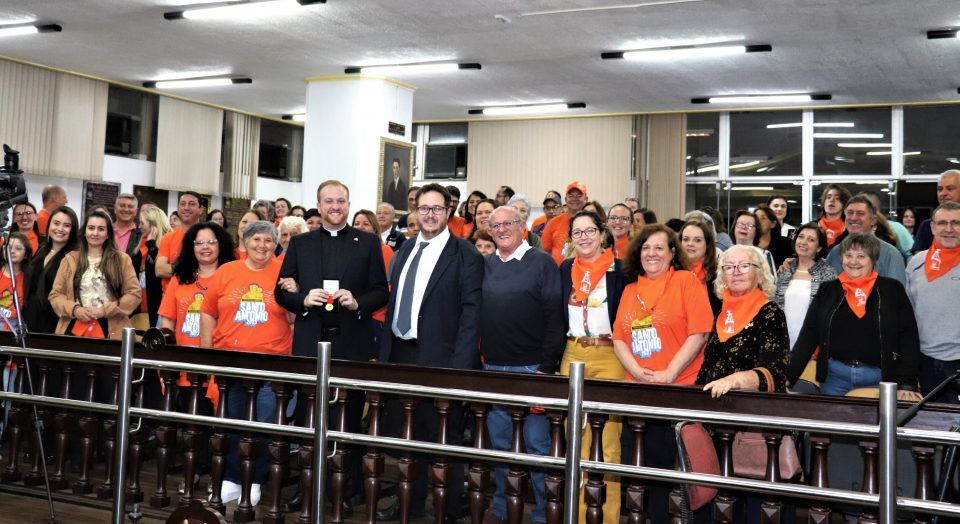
763	342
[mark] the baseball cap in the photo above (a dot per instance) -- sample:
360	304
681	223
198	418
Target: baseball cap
578	186
555	200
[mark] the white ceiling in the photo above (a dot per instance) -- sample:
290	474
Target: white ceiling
860	51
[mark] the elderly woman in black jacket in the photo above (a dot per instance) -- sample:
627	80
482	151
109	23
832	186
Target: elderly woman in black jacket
853	316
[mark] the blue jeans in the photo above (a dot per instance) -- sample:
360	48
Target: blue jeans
934	371
266	405
842	378
536	439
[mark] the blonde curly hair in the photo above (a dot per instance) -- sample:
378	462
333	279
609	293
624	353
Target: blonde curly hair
763	271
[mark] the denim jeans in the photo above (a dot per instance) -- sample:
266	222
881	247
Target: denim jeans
933	372
536	439
266	403
842	378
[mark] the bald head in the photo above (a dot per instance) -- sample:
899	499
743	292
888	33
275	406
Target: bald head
53	196
385	216
948	186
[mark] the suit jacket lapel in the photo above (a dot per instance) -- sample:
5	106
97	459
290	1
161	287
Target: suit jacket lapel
446	258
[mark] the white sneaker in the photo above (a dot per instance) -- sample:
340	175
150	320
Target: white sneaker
254	494
230	491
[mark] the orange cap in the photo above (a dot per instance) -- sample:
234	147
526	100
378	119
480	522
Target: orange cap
578	186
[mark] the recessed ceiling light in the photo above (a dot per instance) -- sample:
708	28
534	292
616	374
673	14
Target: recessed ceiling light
29	29
848	135
249	9
690	51
864	144
401	69
296	117
196	82
527	109
761	99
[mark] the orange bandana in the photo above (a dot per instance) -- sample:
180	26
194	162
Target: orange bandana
940	260
586	275
650	291
90	329
857	291
697	269
832	228
737	312
622	244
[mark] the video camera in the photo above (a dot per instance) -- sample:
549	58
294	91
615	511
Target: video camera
13	188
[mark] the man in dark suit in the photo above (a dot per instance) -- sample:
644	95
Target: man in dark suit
338	281
433	319
395	189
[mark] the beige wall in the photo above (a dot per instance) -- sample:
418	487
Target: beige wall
660	163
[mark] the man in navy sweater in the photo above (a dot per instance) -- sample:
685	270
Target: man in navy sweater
521	331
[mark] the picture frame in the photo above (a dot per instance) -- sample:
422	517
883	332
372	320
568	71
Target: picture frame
395	154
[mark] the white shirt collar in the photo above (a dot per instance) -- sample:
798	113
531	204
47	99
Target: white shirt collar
439	240
335	232
517	253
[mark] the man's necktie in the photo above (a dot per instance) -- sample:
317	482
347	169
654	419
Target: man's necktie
406	298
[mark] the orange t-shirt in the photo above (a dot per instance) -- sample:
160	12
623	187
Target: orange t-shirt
43	220
554	237
458	226
182	303
170	245
248	316
380	315
7	308
681	311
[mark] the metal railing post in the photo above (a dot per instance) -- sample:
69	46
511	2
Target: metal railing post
888	453
571	487
320	429
123	425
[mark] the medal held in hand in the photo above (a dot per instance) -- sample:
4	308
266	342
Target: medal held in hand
329	306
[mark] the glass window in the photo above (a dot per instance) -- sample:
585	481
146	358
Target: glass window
852	141
448	133
881	189
931	144
131	123
703	144
744	195
281	150
766	143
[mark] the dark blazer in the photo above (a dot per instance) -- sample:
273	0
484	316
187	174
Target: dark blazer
616	282
448	327
363	276
398	196
395	238
133	245
38	314
889	305
153	283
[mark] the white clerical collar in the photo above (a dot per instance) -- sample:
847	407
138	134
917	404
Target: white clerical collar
517	253
335	232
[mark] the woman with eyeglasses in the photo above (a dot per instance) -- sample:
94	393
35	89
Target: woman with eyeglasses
864	326
662	322
592	284
746	232
769	237
620	221
25	223
749	345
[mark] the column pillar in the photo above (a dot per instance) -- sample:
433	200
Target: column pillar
346	118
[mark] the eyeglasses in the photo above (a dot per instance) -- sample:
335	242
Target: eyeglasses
590	232
746	226
741	268
24	213
551	208
504	225
436	210
209	242
622	220
938	223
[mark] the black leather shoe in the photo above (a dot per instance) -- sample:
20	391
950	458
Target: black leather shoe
294	505
390	513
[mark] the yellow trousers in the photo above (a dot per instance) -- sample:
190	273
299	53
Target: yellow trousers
599	362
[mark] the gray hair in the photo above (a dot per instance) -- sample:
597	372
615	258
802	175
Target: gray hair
947	206
865	242
271	209
386	204
764	273
127	196
520	197
512	210
260	226
702	217
295	222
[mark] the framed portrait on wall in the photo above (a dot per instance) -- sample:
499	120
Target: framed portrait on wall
396	161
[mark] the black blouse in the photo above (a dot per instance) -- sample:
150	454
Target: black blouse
37	313
764	342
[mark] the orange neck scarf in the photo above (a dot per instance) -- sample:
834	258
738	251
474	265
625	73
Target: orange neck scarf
697	269
857	291
940	260
622	244
586	275
650	291
90	329
737	312
832	228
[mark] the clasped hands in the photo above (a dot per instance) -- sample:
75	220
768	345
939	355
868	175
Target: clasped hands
657	377
318	297
88	314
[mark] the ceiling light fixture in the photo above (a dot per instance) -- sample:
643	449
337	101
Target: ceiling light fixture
799	124
848	135
401	69
761	99
752	188
686	51
864	144
607	7
196	82
29	29
885	153
296	117
240	9
527	109
937	34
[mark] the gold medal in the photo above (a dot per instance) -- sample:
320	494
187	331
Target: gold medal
328	307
